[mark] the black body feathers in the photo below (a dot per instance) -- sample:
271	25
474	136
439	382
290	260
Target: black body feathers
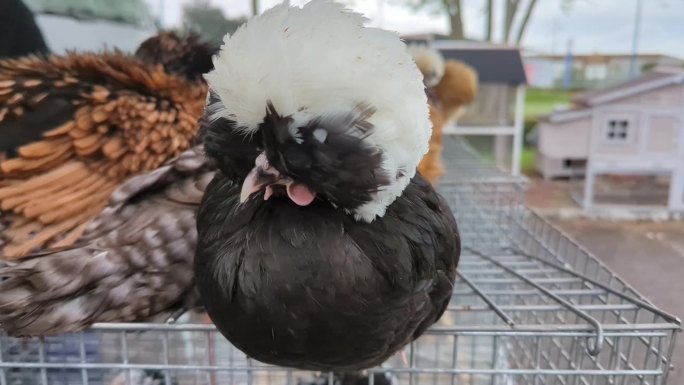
311	288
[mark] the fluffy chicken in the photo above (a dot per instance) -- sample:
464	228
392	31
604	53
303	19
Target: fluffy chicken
319	247
133	263
76	126
451	86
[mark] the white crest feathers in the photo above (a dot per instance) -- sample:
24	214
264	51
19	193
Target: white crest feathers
320	59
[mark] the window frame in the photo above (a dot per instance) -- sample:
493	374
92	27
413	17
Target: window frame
622	135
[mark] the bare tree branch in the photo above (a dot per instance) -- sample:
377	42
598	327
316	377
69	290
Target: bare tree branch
525	21
255	7
490	14
511	10
455	18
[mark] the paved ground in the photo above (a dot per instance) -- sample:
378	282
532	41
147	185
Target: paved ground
615	197
649	256
549	196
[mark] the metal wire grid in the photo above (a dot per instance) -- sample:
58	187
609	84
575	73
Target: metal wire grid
529	307
484	199
514	319
464	163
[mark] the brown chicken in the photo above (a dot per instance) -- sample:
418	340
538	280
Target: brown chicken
76	126
133	262
456	90
451	86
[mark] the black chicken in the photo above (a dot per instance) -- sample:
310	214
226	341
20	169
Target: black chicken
318	248
19	33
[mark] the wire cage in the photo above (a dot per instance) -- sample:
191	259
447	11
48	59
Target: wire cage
530	306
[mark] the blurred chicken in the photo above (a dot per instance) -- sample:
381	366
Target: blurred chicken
76	126
431	166
456	90
186	56
133	262
430	63
450	85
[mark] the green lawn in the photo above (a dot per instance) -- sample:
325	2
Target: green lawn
540	102
527	160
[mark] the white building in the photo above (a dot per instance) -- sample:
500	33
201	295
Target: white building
590	71
634	128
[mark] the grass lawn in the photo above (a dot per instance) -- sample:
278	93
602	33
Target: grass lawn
483	145
540	102
527	161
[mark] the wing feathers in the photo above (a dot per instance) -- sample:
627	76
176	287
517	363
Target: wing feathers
84	123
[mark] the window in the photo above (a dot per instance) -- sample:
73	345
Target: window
617	130
574	163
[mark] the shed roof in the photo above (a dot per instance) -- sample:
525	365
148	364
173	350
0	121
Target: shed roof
493	65
567	115
636	86
586	101
596	57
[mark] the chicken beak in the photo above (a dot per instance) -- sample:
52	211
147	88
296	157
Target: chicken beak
250	185
255	181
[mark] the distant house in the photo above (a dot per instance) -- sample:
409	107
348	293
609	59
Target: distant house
590	71
633	128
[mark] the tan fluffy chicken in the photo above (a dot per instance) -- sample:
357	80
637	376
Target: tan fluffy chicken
76	126
451	85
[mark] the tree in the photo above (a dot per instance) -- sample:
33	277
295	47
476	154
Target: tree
255	7
489	11
516	16
209	21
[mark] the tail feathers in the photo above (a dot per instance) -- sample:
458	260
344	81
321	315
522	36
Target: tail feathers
133	263
70	290
62	292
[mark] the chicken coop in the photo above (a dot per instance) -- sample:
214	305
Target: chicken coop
497	114
530	306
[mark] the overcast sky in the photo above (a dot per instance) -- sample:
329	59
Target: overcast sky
603	26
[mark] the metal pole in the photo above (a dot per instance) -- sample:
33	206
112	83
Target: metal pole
519	129
633	71
567	74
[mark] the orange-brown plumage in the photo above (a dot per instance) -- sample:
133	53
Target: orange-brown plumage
431	166
455	89
103	117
